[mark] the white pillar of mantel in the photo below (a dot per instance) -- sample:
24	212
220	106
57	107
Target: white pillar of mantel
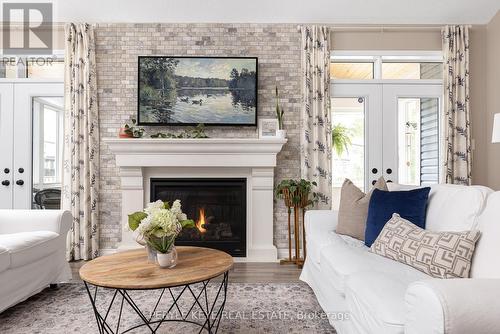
193	158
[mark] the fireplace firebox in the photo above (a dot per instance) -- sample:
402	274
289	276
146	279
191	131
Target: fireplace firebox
218	207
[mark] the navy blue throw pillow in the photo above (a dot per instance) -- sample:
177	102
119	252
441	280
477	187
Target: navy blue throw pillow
410	205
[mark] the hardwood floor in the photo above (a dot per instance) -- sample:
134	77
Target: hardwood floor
241	272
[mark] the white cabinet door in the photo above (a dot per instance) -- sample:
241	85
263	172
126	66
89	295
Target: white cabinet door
25	95
6	145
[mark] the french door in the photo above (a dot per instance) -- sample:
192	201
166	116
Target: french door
392	130
30	140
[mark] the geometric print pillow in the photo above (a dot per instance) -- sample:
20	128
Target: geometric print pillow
438	254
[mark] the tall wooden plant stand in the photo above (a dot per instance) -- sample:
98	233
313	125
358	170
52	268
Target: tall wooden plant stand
299	231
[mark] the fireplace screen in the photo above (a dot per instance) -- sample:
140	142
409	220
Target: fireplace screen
218	207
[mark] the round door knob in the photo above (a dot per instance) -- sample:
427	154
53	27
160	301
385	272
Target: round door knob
19	182
373	182
21	170
374	170
389	171
5	183
6	171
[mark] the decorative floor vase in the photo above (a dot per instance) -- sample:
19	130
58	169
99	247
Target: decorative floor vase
167	260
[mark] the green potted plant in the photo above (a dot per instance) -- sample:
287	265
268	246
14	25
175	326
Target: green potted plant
131	131
296	193
158	225
281	133
341	139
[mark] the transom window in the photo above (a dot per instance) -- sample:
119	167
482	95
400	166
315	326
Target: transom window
395	66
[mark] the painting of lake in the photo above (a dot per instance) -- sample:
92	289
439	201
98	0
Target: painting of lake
194	90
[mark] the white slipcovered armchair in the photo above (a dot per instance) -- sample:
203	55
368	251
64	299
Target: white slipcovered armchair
32	252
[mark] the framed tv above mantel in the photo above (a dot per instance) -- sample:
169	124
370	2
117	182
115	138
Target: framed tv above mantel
184	90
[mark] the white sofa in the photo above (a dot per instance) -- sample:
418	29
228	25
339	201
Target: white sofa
362	292
32	252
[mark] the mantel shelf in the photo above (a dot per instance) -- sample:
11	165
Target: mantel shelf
209	152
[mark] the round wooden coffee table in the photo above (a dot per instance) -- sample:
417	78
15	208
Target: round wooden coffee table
130	270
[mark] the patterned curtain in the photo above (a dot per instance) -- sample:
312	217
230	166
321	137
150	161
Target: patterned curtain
456	126
81	143
316	130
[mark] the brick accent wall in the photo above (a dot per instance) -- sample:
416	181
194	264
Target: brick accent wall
118	45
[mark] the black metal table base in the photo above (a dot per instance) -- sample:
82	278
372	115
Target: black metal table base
209	311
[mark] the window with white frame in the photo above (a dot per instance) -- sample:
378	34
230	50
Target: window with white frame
386	66
47	142
39	67
401	81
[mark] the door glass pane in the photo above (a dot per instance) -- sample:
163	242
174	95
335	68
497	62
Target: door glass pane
412	70
359	71
47	152
348	129
418	143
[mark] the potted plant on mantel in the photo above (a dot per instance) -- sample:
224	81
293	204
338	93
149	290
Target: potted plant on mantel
297	194
131	131
157	226
281	133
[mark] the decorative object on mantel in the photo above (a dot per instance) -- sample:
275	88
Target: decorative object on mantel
268	128
281	133
196	132
131	131
297	194
158	225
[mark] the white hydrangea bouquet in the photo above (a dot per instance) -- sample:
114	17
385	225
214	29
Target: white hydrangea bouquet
159	224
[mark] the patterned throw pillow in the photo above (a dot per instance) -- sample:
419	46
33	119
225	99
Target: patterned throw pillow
438	254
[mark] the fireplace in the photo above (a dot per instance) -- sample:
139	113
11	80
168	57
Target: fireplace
218	207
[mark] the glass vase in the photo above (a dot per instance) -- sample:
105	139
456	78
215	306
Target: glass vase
151	254
167	260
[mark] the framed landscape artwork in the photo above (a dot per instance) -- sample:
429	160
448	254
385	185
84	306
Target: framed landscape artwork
194	90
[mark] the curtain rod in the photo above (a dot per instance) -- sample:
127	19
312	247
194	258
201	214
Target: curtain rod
385	28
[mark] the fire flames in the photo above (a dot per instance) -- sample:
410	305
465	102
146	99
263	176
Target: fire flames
201	221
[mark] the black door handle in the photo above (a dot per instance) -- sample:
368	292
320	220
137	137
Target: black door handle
374	170
389	171
19	182
5	183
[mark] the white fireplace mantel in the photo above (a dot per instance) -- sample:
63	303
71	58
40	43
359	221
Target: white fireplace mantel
140	160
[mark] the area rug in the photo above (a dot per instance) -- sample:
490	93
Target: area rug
250	308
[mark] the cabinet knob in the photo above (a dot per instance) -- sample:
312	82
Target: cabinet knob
6	170
5	183
21	170
19	182
374	170
389	171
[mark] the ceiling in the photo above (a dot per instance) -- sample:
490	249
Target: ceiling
282	11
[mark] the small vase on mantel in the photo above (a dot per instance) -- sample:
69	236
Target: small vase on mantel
281	134
167	260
